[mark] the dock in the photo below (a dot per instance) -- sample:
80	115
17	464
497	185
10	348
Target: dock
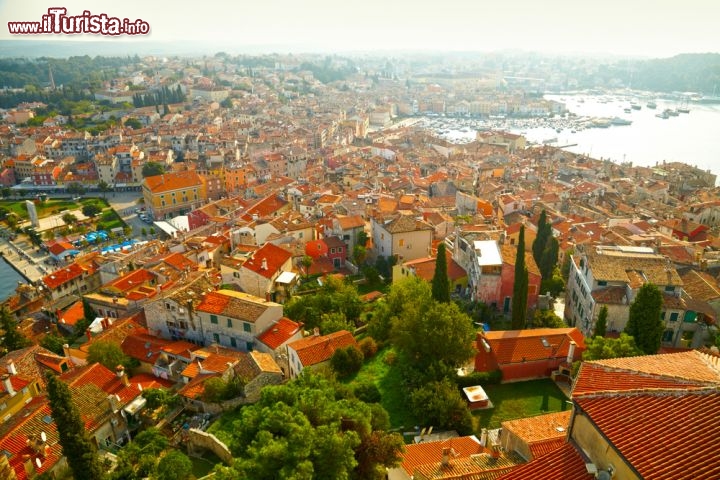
22	258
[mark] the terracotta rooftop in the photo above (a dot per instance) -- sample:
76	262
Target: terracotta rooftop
234	304
168	182
316	349
516	346
267	260
635	269
562	464
279	333
404	224
540	428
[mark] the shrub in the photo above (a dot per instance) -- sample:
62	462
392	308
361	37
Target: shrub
479	378
390	358
367	392
346	361
368	347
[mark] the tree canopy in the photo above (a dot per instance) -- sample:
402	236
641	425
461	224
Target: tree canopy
601	322
335	296
302	430
108	354
520	288
440	281
644	323
150	169
601	348
426	332
12	338
79	450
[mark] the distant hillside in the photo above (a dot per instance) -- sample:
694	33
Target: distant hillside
689	72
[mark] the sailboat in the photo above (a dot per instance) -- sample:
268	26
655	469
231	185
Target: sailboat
683	108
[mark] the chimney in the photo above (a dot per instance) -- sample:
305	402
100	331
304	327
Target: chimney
445	457
11	367
571	351
483	437
66	350
264	264
89	335
120	372
7	383
113	402
316	331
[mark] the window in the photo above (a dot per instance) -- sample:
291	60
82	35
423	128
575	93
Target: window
401	242
213	319
216	338
674	317
247	327
667	336
669	288
602	283
229	322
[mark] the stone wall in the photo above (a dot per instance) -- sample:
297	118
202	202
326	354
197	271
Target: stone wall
198	441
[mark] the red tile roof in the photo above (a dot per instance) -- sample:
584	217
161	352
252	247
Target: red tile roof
317	349
279	333
267	260
663	434
173	181
73	314
143	347
65	274
563	464
15	438
431	452
516	346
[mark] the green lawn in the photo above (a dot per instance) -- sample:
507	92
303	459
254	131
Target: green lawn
44	209
520	399
201	466
387	379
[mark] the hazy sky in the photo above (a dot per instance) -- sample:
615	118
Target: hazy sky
634	27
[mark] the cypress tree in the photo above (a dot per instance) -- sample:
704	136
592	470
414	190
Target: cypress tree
79	450
440	281
644	323
541	238
601	323
520	288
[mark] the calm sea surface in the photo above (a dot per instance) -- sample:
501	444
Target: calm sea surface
8	279
692	138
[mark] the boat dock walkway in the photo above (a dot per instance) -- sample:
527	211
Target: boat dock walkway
24	259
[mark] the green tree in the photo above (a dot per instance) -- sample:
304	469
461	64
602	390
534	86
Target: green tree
555	284
359	254
547	319
335	296
90	210
69	218
133	123
440	281
76	188
334	322
103	187
601	323
151	169
54	343
441	405
347	361
13	338
174	465
306	261
108	354
601	348
79	450
304	430
544	232
520	288
644	323
416	330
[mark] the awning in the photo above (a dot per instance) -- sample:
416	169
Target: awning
166	227
286	278
135	406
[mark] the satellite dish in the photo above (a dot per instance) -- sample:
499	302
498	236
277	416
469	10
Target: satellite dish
38	462
43	437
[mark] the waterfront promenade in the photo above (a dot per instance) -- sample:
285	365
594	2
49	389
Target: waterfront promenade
24	258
